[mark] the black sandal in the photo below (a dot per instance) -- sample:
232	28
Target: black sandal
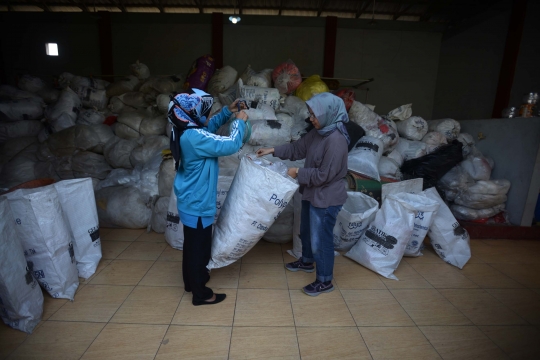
219	298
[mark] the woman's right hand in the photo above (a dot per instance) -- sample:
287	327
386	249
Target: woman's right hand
242	115
264	151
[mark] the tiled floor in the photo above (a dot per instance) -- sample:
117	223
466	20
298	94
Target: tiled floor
135	308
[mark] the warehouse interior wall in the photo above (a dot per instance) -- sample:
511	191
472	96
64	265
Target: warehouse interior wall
469	66
527	76
402	57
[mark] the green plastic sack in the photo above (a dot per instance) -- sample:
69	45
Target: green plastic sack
313	85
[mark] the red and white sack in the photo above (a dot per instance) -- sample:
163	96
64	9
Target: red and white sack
450	241
286	77
374	125
382	246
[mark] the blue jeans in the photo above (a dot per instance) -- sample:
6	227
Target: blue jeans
316	232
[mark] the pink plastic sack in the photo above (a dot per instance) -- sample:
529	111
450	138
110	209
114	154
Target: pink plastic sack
201	71
286	77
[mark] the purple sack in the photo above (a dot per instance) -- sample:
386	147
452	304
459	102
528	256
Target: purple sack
200	73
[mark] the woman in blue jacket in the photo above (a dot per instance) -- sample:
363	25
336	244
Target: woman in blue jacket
196	149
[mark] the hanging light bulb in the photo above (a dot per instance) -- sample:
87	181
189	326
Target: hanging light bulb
234	19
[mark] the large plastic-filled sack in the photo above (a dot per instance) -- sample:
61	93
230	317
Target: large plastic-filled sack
296	251
454	182
262	79
64	113
413	128
313	85
348	96
222	79
46	239
477	166
8	92
259	195
410	149
260	111
479	201
39	87
200	73
389	168
364	157
396	156
92	97
162	85
91	137
21	168
117	152
22	300
89	164
148	148
466	213
158	221
286	77
353	219
382	246
355	132
247	73
297	109
374	125
434	140
225	179
12	147
123	86
268	96
73	81
166	177
448	238
131	125
123	207
468	143
174	231
490	187
434	166
269	132
79	208
134	99
233	161
163	100
25	109
281	231
450	128
90	117
140	70
425	209
402	113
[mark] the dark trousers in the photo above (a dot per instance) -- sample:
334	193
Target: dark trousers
196	254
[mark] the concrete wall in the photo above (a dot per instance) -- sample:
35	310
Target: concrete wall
527	76
469	67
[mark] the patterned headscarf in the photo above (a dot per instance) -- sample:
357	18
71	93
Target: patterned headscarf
187	111
331	113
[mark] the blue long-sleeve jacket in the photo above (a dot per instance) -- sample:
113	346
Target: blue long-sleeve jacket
195	184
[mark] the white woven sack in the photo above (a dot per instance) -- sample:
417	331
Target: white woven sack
21	304
296	251
174	232
258	196
364	157
448	238
79	207
46	239
281	231
426	209
355	216
413	128
382	246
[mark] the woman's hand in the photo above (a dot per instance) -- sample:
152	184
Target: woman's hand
292	172
234	106
242	115
265	151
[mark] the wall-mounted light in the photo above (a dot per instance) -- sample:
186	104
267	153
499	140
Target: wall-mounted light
234	19
51	49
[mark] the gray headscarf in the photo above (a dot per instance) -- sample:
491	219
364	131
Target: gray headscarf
331	113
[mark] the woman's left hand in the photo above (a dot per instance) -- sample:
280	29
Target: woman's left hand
292	172
234	106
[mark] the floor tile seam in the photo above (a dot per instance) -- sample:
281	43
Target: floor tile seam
352	316
161	342
510	276
234	312
400	304
108	321
117	258
490	339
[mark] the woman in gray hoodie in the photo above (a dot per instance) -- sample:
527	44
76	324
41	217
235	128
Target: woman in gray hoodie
325	149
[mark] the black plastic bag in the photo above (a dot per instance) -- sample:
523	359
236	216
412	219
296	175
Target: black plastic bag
433	166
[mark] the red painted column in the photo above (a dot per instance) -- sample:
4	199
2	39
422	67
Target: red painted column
105	45
217	39
511	52
330	46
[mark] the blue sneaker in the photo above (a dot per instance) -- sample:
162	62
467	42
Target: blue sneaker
318	287
300	266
